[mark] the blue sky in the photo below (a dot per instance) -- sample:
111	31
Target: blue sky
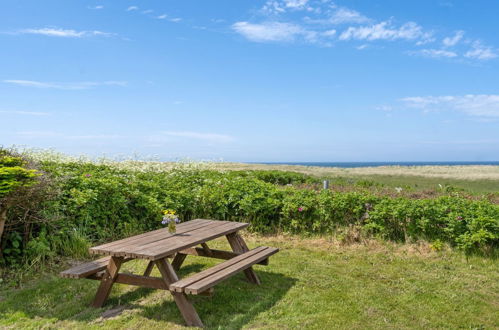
277	80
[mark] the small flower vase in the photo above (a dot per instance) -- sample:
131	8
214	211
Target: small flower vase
172	227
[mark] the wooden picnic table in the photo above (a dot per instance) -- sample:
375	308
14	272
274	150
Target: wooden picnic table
159	245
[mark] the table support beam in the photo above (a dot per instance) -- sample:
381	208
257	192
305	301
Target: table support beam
188	311
178	260
149	268
107	281
238	245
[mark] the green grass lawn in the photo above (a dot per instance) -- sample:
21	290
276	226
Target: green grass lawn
310	283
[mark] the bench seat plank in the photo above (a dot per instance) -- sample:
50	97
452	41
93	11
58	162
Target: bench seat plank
86	269
208	278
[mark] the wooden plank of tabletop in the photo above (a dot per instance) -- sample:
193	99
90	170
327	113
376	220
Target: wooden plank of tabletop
135	237
171	240
122	248
163	232
193	238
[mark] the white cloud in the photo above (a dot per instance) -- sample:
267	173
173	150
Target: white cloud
383	31
269	31
162	16
480	105
345	15
175	20
480	52
148	11
273	7
295	4
211	137
38	134
94	137
278	7
96	7
452	41
65	33
52	134
26	113
435	53
132	8
65	86
318	22
329	33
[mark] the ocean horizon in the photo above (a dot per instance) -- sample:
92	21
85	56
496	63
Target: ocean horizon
378	164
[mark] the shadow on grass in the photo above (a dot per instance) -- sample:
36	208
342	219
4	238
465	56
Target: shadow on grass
235	302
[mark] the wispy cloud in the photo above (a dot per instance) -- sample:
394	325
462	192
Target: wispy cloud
281	6
385	31
345	15
324	23
435	53
162	16
296	4
132	8
65	86
25	113
210	137
64	33
95	137
268	31
95	7
480	52
452	41
38	134
479	105
54	134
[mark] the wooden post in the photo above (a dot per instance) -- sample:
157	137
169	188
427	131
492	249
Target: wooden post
188	311
239	246
107	281
326	184
178	260
207	250
149	268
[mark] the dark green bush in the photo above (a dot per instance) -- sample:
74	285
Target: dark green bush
97	203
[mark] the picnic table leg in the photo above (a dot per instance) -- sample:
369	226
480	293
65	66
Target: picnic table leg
188	311
149	268
238	245
178	260
107	281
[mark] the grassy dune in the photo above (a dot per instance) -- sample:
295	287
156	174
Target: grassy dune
468	172
472	178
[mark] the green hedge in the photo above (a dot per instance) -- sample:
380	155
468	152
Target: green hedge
99	203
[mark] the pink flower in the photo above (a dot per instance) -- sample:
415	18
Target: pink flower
88	175
300	209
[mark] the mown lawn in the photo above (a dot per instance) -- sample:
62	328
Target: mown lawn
310	283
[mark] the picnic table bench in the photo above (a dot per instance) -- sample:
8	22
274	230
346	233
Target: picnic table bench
159	245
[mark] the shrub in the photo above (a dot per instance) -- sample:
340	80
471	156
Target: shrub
91	202
14	176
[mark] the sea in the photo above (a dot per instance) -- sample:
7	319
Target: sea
377	164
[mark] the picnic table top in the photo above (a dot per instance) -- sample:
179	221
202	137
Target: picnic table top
160	243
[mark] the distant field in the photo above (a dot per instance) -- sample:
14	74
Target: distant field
473	178
468	172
